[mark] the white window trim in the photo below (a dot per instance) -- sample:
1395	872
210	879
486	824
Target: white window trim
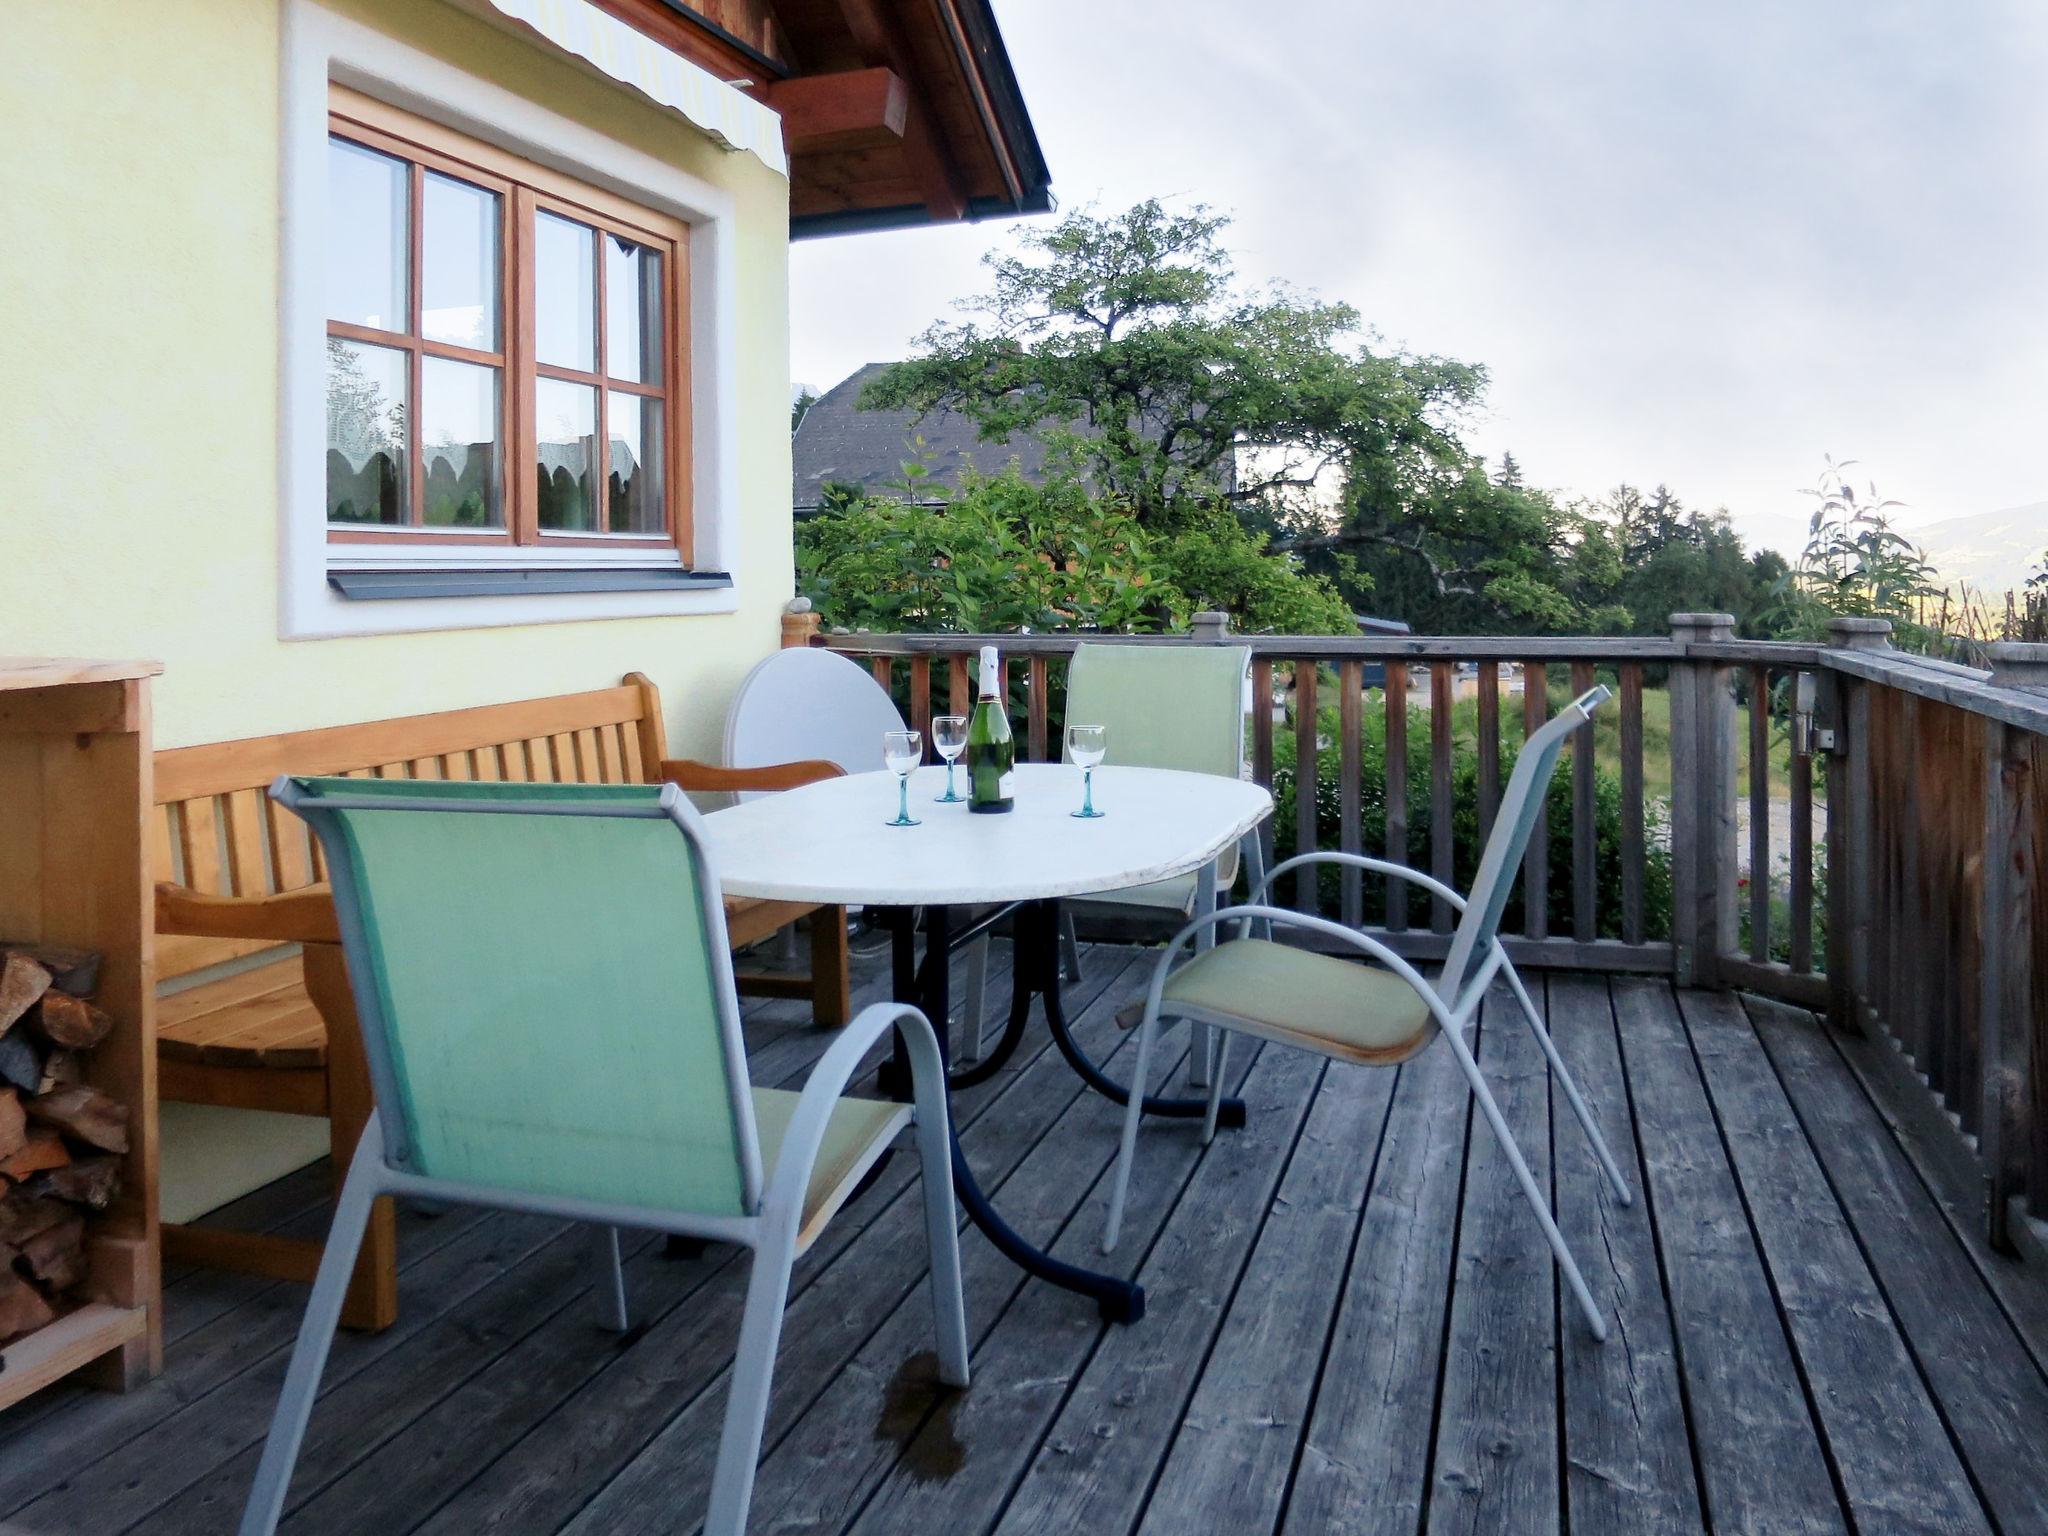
320	47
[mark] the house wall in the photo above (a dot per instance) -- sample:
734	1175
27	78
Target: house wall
139	379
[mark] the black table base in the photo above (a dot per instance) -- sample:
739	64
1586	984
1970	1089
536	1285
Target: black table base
926	982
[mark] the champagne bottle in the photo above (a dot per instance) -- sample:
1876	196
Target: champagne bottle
991	753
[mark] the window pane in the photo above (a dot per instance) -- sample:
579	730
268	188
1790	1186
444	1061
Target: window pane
632	297
459	444
459	263
366	237
565	293
634	481
367	480
566	422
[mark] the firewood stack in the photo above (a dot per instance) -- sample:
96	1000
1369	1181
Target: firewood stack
61	1140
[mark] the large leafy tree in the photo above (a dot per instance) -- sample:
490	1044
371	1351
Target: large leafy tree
1127	341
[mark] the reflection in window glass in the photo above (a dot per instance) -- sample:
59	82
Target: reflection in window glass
367	478
459	263
566	425
565	293
632	298
634	477
459	444
366	237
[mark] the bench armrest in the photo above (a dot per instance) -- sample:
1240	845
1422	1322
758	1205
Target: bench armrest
687	773
304	916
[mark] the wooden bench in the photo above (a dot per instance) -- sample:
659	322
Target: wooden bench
269	1021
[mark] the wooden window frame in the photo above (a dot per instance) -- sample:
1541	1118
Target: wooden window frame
524	189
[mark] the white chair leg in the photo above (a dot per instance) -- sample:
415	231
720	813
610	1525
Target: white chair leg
316	1335
1505	1138
1216	1076
746	1406
1571	1089
1070	947
976	1004
941	1222
1201	1038
1128	1152
611	1281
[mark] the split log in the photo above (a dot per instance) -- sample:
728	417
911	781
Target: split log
22	984
21	1061
86	1114
90	1181
76	971
44	1149
72	1022
13	1123
56	1255
59	1068
22	1217
22	1308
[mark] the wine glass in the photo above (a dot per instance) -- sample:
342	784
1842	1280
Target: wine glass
949	740
1086	746
901	752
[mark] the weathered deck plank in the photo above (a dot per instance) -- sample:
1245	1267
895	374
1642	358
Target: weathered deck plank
1753	1429
1354	1325
1628	1457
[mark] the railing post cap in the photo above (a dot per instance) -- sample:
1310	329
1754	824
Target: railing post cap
2018	664
797	604
1686	622
1856	633
1209	625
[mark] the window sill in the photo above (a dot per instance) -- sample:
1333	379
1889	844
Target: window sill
376	586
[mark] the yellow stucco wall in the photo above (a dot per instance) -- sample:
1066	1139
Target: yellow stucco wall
139	275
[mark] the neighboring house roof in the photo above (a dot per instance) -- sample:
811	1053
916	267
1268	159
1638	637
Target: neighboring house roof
837	443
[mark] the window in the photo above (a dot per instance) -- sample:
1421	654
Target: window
505	360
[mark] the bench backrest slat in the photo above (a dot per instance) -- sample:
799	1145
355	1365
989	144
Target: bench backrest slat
215	829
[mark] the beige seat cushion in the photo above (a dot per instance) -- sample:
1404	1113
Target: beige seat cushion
1325	1003
859	1131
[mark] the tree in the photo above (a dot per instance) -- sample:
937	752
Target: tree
1126	342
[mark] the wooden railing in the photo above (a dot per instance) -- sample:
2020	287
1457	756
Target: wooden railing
1886	874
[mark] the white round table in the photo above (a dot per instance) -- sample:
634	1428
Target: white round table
830	843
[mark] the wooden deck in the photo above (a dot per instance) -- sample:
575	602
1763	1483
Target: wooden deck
1354	1326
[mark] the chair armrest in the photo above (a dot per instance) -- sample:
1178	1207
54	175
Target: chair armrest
304	916
1375	866
704	778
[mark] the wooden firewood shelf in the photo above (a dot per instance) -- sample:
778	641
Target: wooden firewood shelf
75	791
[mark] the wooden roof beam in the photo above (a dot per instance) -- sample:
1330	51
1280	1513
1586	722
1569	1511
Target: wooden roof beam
853	109
880	41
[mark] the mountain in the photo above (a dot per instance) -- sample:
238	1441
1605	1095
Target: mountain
1990	551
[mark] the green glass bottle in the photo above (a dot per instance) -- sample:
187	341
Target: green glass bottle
991	752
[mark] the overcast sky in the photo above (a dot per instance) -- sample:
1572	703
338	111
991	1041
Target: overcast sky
1695	243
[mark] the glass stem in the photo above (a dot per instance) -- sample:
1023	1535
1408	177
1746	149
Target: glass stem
1087	791
903	797
949	778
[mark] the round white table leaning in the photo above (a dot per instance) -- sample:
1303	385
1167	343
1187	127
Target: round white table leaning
830	843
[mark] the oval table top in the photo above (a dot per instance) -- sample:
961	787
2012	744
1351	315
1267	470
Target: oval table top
829	842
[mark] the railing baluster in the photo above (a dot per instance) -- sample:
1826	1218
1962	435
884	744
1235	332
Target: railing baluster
1632	844
1800	891
1759	814
1585	840
2010	1133
1035	725
1262	745
883	668
1350	704
1305	781
1397	792
1489	747
1442	813
1536	860
959	692
921	703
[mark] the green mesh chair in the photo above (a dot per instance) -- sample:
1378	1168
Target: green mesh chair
1338	1008
547	1006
